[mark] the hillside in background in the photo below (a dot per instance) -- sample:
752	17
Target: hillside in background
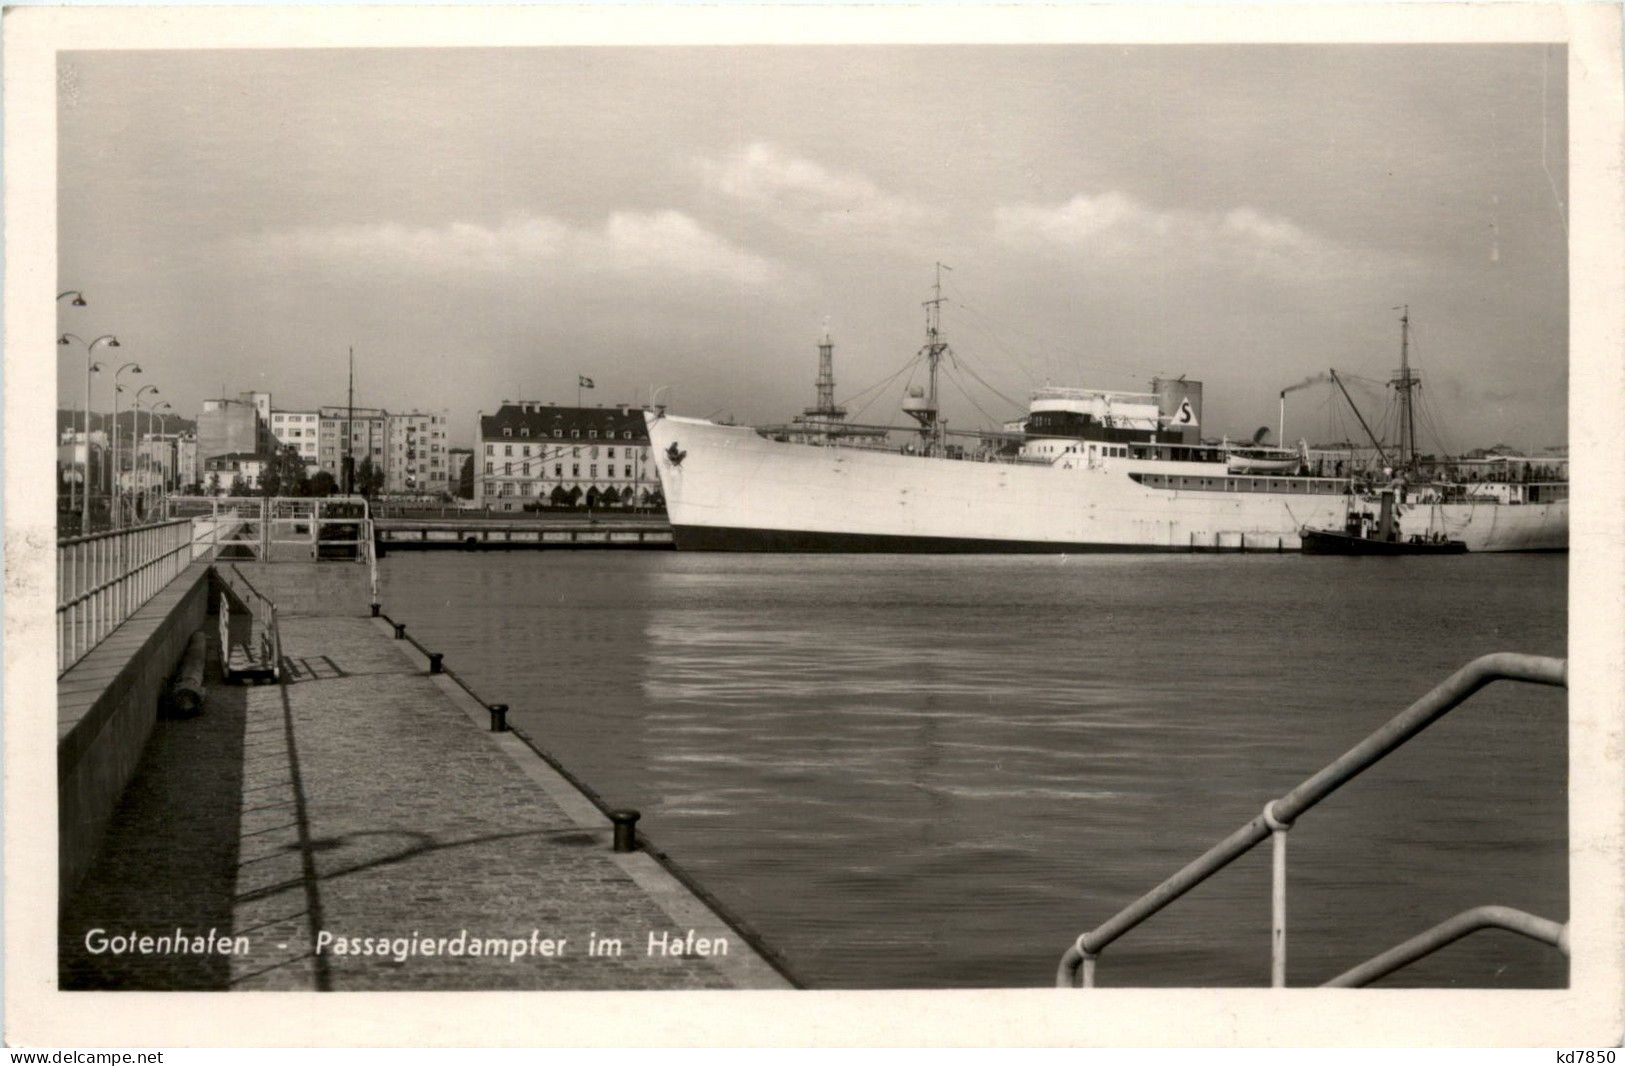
126	420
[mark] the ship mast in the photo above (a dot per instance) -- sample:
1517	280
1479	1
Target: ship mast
926	410
826	374
1405	381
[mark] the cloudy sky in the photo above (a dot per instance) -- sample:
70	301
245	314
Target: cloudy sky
485	224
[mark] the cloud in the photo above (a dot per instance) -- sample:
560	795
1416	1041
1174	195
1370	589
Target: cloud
668	243
1117	229
805	195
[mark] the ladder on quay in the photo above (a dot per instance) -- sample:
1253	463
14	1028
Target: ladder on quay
268	530
257	657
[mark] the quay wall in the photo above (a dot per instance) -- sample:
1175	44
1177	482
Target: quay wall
107	705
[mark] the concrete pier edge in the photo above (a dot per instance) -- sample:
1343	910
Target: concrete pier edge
670	887
106	708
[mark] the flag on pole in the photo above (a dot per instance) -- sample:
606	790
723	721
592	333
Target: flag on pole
583	382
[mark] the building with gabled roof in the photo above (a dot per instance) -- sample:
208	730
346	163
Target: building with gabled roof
533	455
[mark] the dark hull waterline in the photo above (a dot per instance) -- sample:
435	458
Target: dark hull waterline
734	539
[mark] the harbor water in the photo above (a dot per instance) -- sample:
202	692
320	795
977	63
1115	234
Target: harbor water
936	771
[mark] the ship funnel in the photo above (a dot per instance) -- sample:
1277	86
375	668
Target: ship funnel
1179	408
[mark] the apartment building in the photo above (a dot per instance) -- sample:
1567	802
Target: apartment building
540	455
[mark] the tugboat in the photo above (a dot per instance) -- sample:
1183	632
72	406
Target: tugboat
1364	535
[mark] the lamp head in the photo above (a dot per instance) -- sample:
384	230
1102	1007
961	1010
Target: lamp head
114	343
79	301
62	339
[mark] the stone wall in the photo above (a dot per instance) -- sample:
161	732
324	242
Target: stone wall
106	707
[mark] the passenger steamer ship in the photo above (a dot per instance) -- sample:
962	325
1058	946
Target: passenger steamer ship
1088	470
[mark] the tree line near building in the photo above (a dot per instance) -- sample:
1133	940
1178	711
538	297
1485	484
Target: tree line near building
286	475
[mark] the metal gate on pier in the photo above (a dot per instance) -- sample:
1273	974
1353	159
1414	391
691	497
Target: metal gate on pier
281	528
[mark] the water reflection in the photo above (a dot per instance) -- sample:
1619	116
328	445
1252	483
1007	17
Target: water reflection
937	771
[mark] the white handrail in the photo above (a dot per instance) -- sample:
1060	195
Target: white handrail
104	578
1078	963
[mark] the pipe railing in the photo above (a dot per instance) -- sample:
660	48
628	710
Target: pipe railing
263	629
1448	932
1078	964
256	526
104	578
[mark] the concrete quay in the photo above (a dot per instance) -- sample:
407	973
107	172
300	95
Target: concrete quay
359	827
478	531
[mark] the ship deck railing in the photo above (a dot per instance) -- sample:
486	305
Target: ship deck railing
1460	490
1077	966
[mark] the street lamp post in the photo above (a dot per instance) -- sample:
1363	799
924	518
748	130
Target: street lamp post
116	494
167	460
79	301
136	449
91	367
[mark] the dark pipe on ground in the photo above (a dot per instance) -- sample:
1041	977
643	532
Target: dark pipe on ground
186	692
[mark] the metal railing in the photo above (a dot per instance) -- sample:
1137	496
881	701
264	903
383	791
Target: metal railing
1078	964
230	526
268	528
1448	932
265	636
104	578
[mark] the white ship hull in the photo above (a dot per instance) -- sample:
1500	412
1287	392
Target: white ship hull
728	488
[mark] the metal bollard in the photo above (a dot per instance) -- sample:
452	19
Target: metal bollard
626	829
376	608
400	630
435	658
499	717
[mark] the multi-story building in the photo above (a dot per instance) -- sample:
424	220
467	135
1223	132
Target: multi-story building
262	405
534	455
74	458
240	469
416	462
367	430
153	466
233	427
187	472
301	431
